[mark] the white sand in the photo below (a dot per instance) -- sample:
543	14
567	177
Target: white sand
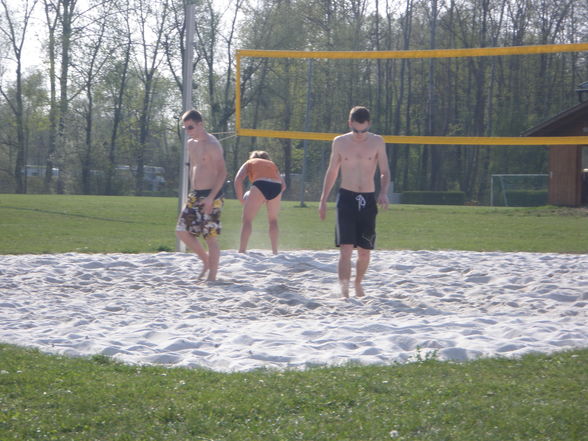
285	311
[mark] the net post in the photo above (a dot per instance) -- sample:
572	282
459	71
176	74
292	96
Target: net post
492	190
238	93
190	11
306	125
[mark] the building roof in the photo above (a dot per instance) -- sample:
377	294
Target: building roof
557	125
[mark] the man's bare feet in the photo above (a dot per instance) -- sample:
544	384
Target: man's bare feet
359	292
210	279
344	288
204	270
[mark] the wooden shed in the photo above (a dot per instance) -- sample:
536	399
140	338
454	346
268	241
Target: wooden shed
568	164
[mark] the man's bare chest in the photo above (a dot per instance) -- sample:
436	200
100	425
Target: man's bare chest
358	154
199	155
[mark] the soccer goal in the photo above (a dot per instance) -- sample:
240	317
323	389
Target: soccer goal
519	190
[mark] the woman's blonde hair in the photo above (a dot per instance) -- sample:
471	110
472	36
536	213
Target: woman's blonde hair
259	154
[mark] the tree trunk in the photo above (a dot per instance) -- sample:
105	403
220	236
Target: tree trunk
67	8
117	120
143	135
87	153
52	23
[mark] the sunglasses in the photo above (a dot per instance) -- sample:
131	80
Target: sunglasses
188	127
359	131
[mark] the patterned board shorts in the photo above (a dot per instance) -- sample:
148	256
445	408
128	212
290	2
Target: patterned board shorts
193	219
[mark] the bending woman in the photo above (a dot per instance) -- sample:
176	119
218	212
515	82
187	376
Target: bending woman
267	187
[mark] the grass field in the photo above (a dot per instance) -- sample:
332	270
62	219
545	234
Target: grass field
43	397
536	398
55	224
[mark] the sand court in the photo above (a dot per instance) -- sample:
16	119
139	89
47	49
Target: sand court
284	311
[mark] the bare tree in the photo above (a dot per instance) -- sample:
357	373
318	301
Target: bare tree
174	43
215	32
151	26
120	72
227	99
60	16
430	160
15	30
94	54
404	90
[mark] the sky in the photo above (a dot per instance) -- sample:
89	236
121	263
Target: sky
36	35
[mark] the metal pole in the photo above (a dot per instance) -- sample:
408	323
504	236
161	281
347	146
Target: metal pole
238	93
503	192
306	128
187	105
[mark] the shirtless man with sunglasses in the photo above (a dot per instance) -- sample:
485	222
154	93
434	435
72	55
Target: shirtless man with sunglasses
357	155
201	214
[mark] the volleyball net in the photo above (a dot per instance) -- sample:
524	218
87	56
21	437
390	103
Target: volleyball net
408	54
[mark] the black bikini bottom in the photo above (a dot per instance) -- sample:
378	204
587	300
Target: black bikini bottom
270	190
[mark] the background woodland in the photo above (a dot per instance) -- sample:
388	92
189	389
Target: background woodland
97	111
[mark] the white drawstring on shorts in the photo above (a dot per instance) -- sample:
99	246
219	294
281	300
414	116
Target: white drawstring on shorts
360	201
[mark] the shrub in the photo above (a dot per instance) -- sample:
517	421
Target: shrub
526	198
433	197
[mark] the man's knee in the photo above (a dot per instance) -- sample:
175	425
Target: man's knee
363	252
346	251
182	235
212	241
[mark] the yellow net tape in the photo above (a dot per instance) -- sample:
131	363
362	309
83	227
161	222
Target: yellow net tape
433	140
437	53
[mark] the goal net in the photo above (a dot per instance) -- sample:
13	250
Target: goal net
519	190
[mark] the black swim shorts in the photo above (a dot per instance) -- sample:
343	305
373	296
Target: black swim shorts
356	219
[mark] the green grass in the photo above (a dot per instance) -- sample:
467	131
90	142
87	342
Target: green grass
537	397
100	224
43	397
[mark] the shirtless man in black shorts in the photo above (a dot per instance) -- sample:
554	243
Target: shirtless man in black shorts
201	215
357	155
